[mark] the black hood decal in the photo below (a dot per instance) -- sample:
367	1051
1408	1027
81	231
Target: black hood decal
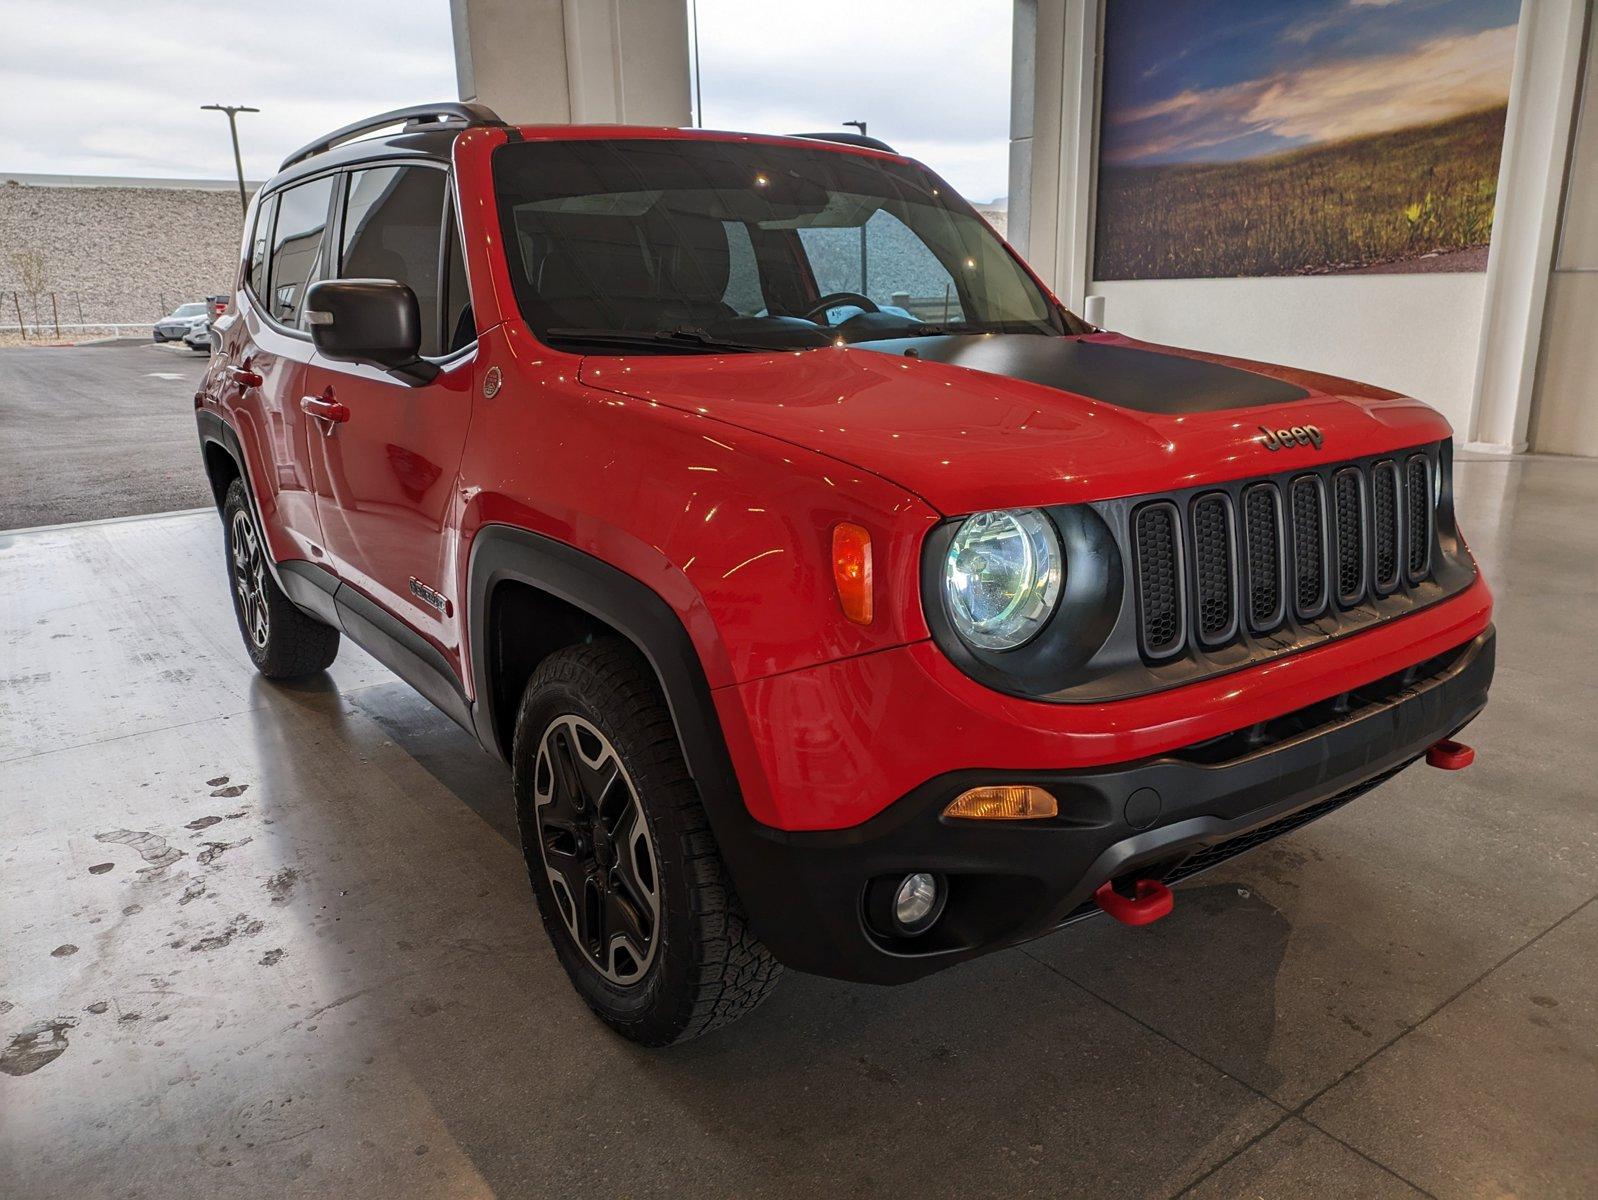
1121	375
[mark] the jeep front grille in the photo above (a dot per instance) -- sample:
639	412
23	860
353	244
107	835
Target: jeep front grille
1310	548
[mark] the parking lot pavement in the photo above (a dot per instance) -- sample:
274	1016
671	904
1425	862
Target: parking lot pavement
105	430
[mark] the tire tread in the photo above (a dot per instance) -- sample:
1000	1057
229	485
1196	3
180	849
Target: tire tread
731	972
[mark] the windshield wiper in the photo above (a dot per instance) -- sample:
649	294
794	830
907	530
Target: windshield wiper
683	338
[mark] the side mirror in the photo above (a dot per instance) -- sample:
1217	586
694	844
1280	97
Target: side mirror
371	321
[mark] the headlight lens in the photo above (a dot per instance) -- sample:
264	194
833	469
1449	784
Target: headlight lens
1002	577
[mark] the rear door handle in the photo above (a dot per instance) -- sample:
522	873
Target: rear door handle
244	377
325	409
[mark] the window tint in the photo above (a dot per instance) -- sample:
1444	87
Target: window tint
255	274
392	223
297	245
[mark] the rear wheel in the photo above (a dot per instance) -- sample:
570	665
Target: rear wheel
282	641
631	886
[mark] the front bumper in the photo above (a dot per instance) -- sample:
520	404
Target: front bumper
1166	817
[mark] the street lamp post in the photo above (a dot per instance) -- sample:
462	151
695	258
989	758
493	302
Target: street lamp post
232	111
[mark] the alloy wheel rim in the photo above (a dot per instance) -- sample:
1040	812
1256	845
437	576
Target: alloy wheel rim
249	579
596	850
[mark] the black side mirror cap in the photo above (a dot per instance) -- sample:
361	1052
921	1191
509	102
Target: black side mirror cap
372	321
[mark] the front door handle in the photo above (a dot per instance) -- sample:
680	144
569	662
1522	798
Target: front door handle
325	408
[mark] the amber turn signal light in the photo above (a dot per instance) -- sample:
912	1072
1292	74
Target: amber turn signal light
851	570
1010	802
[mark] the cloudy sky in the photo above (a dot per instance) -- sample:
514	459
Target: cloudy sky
97	87
1220	80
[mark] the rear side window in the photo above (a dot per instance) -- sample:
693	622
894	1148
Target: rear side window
393	221
255	273
297	245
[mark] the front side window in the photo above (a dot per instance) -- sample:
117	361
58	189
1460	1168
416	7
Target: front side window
393	221
683	241
297	246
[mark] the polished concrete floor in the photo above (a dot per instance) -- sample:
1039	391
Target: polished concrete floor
260	940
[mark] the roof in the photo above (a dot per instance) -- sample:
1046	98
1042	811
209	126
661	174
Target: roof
430	130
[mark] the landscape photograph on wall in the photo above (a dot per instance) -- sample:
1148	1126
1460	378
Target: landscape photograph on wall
1300	137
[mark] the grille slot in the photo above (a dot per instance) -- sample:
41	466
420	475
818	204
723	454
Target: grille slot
1418	510
1350	499
1262	553
1214	568
1384	524
1159	578
1309	545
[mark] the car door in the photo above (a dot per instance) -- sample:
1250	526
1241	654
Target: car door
385	473
266	352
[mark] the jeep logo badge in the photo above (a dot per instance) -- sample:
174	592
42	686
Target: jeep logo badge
1299	435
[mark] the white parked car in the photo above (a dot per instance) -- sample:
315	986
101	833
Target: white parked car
180	320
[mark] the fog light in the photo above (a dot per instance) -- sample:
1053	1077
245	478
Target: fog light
1010	802
903	906
915	902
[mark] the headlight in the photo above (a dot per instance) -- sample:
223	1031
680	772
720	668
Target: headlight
1002	577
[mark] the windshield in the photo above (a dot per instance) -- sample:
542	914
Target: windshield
693	246
189	310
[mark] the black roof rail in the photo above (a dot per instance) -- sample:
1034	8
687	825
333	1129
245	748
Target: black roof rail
417	115
849	139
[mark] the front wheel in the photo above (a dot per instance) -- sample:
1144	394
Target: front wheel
631	887
282	641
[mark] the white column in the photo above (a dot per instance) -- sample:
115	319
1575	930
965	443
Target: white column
1053	103
579	61
1530	181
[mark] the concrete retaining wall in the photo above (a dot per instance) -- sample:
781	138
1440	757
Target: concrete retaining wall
115	254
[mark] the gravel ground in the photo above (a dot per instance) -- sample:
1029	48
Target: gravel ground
90	432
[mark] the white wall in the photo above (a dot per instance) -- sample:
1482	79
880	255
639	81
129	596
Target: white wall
1565	416
1415	334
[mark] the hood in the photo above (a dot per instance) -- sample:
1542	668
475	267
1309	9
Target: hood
1011	420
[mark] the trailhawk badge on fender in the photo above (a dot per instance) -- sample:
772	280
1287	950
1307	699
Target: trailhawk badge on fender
1298	435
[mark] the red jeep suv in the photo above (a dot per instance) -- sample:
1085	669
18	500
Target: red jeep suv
836	597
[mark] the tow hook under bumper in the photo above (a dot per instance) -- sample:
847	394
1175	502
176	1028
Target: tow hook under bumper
1150	900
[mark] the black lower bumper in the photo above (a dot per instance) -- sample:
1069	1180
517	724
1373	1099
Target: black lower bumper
1167	818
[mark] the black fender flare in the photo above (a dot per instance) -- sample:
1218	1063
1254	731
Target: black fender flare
505	553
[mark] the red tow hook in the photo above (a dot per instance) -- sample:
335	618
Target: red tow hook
1449	755
1150	900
